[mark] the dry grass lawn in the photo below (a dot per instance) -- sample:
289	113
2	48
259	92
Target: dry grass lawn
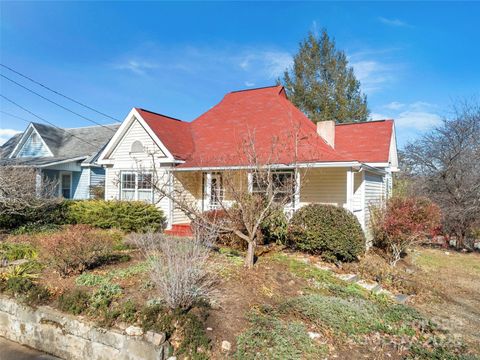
453	279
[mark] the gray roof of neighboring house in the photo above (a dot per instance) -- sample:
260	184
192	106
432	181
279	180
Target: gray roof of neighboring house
65	144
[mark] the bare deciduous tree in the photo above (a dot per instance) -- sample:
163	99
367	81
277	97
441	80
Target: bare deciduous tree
249	195
444	165
20	191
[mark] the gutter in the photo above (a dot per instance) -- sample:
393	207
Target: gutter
275	166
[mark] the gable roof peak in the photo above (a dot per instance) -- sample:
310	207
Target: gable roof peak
262	88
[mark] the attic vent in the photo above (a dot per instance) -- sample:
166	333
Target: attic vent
137	147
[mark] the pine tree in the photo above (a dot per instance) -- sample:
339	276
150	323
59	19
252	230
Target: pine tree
322	84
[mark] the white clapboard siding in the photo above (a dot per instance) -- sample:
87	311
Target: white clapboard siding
190	185
324	186
374	195
123	151
358	188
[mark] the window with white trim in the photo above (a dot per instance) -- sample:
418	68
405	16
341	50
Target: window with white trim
136	186
282	182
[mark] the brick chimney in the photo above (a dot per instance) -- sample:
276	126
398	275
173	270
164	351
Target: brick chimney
326	129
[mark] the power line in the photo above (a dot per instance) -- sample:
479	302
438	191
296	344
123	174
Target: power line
53	102
15	116
42	119
58	93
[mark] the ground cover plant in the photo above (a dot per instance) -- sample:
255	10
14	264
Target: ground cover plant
284	308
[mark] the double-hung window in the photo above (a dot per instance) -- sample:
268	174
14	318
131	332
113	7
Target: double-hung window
136	186
280	184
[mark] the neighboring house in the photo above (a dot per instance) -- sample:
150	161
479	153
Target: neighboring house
348	165
64	156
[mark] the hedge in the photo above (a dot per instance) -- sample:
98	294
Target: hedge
38	216
330	231
129	216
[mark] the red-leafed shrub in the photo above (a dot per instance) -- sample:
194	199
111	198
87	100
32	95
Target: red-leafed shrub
76	248
403	222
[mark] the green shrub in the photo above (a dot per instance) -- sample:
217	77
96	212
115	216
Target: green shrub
195	342
330	231
129	311
129	216
275	227
16	251
75	302
25	289
36	217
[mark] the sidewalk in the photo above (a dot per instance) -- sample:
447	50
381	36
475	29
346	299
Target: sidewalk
10	350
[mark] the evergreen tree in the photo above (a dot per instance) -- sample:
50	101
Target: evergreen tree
322	84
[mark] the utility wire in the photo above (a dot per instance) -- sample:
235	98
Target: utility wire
15	116
58	93
48	122
53	102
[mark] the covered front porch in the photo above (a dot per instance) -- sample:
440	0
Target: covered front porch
71	179
345	186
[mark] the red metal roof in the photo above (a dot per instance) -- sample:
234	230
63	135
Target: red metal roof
366	141
264	124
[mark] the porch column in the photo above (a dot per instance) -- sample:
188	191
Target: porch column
296	195
250	182
38	181
207	191
350	178
171	204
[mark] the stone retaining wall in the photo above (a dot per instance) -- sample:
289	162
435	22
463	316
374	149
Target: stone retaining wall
70	337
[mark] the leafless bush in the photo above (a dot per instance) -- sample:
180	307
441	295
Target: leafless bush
180	268
20	192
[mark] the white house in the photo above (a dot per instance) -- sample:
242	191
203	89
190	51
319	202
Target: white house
348	165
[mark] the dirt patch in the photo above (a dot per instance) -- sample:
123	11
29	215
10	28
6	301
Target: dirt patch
241	290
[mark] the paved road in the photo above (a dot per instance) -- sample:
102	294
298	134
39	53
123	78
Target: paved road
12	351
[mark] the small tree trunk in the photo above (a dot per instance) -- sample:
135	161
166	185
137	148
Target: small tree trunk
250	258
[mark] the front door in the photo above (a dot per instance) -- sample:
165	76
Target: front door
66	185
212	191
216	193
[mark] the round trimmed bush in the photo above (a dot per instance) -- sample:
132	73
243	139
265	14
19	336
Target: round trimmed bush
330	231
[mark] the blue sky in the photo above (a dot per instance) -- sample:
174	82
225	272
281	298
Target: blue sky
179	59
